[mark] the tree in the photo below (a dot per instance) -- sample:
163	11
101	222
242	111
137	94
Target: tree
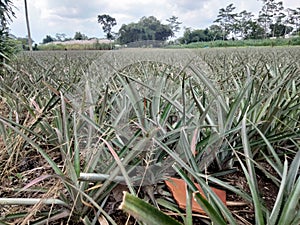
297	19
107	23
279	29
226	20
174	24
278	16
212	33
270	13
244	23
60	36
28	27
256	31
80	36
148	28
293	19
215	32
48	39
187	36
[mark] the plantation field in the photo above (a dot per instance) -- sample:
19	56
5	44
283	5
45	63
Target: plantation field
77	128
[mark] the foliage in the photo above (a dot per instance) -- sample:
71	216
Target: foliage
148	28
271	22
226	20
241	43
60	36
293	18
279	30
107	23
174	24
136	117
147	44
24	42
79	36
212	34
270	14
48	39
6	12
255	32
6	15
9	47
245	24
145	212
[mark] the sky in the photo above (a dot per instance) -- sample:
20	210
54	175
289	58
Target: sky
48	17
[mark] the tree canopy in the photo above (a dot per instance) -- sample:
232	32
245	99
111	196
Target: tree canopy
107	23
80	36
174	24
212	33
48	39
148	28
273	21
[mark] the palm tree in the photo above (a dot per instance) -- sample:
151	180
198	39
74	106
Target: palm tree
28	28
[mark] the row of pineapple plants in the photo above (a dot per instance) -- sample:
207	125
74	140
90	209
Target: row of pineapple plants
136	117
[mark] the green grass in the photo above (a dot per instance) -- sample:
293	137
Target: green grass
294	41
96	119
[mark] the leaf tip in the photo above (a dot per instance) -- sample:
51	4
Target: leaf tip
121	207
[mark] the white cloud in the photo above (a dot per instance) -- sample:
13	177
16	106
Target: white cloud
67	16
